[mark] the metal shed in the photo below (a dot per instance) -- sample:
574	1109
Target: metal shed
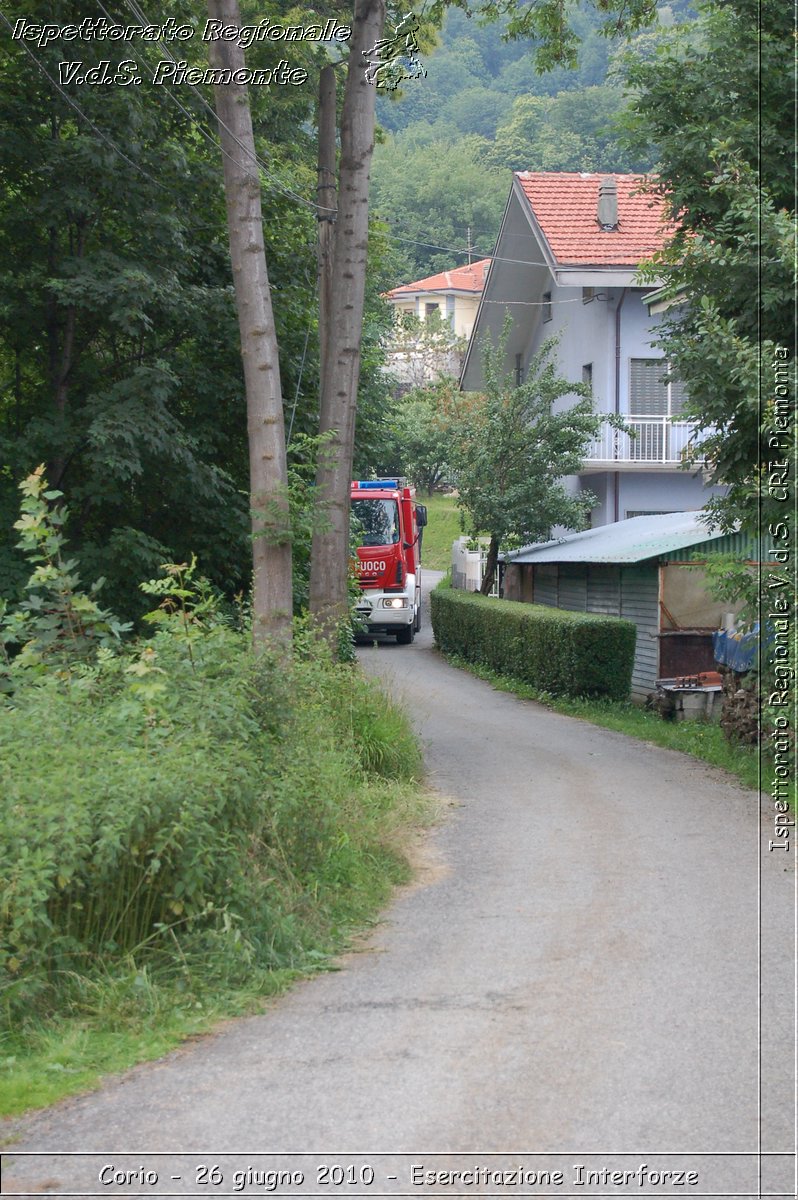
636	569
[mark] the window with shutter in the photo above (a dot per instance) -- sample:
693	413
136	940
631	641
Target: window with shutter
648	396
651	397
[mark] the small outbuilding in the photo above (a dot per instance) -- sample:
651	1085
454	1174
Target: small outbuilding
647	569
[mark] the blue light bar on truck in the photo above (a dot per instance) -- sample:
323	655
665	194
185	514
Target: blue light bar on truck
382	484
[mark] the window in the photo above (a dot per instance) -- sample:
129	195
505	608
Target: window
519	370
546	309
431	307
654	402
648	512
649	394
587	374
375	522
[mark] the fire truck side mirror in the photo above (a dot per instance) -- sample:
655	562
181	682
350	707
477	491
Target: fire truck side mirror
421	515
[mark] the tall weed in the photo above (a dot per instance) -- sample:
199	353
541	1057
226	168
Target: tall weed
186	803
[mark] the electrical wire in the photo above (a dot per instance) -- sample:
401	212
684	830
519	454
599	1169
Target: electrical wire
104	137
273	182
141	16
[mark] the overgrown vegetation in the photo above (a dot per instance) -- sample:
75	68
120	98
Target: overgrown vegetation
564	653
181	823
724	171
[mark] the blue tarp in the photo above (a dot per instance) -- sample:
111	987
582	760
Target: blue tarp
736	650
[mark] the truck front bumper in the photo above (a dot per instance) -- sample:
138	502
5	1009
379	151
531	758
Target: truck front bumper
385	612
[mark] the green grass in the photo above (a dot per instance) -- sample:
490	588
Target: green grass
442	530
64	1056
110	1022
701	739
313	822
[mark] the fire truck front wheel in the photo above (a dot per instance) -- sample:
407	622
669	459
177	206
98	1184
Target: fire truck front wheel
405	635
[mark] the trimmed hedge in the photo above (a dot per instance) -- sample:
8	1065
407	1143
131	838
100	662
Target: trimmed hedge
564	653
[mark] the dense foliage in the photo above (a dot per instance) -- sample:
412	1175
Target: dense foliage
485	108
717	102
564	653
178	798
119	349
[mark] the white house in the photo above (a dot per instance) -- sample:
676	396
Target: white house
448	302
565	265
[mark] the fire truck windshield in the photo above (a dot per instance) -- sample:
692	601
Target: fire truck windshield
376	522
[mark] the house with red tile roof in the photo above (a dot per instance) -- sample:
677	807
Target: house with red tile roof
566	266
454	295
447	304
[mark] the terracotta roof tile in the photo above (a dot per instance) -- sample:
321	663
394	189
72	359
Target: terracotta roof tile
470	278
565	205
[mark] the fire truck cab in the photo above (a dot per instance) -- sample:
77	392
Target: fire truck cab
388	525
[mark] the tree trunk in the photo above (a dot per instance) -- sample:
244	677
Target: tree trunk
268	471
339	383
491	563
326	199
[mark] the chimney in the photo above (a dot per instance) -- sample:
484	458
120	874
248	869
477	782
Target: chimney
607	214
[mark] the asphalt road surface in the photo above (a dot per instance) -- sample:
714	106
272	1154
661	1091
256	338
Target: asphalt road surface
592	973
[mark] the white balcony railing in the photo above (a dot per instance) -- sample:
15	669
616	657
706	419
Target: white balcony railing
658	440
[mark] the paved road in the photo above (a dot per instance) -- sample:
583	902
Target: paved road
576	973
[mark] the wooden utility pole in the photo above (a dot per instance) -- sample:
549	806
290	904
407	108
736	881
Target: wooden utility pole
268	471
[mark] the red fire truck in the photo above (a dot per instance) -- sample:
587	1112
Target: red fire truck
388	525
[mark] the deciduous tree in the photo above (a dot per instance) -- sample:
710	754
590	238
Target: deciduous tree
510	451
339	384
717	101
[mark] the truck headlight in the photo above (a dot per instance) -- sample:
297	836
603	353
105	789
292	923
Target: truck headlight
395	602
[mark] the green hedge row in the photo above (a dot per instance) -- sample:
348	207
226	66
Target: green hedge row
565	653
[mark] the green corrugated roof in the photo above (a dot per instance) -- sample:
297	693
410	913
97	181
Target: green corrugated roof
634	540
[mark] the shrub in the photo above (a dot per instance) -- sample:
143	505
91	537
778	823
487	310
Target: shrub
186	801
564	653
175	800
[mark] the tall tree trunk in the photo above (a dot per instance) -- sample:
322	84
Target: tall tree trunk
330	550
268	471
326	192
491	563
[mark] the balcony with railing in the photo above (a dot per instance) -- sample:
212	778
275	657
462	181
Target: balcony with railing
653	443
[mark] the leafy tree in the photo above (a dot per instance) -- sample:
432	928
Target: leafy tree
717	102
421	350
272	596
343	332
421	435
431	191
58	623
476	110
572	131
119	360
510	452
554	29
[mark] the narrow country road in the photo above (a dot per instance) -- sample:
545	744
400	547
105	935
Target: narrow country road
596	961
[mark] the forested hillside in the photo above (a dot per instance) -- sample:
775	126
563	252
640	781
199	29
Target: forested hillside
484	110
